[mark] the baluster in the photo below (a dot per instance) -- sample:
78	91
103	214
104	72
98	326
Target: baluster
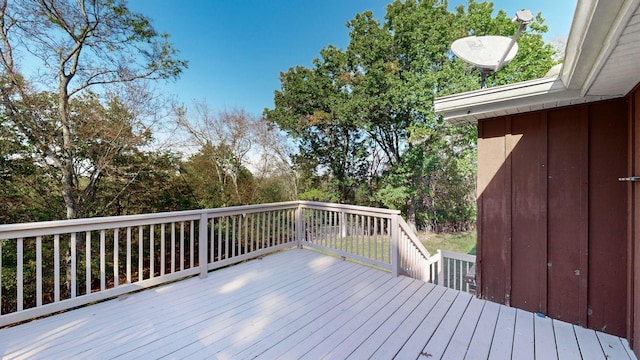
294	225
312	226
239	240
227	249
263	227
102	261
128	255
191	244
331	218
38	271
213	240
252	227
276	227
245	219
87	265
233	236
359	250
323	226
163	255
173	247
140	253
388	223
219	239
116	258
74	268
269	228
376	237
369	234
19	274
152	250
181	245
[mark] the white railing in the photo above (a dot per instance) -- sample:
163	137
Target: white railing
414	257
52	266
448	269
63	264
355	232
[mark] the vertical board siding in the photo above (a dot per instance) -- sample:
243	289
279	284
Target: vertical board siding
529	199
565	187
552	224
494	210
607	218
634	225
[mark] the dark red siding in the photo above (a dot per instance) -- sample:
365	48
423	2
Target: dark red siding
633	246
552	214
529	204
608	129
497	215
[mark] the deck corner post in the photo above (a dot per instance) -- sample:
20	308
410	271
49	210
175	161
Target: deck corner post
202	245
441	268
395	253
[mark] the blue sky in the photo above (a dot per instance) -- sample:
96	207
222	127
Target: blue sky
237	49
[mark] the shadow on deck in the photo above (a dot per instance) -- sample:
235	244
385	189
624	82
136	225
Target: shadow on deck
302	304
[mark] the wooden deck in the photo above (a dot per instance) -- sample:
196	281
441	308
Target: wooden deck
302	304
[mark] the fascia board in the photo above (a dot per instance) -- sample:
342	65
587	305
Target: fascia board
474	104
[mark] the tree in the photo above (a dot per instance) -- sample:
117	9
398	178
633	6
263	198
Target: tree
382	89
82	45
25	188
276	176
224	140
313	108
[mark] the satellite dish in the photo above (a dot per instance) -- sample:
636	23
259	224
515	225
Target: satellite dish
490	53
484	51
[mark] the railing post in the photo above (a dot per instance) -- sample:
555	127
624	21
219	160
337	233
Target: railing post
441	269
299	226
202	245
395	253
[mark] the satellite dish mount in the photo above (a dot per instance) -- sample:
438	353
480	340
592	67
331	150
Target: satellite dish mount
491	53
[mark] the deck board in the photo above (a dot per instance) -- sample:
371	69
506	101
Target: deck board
302	304
523	340
567	344
461	339
502	345
440	340
483	337
545	342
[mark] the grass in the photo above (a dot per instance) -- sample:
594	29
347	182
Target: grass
464	242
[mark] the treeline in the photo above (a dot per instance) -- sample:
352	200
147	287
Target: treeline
89	137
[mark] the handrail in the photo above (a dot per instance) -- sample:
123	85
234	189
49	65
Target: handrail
413	256
414	239
86	224
346	207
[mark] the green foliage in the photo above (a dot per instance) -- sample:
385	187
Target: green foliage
364	115
313	107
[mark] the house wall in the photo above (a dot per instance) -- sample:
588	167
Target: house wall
633	246
552	215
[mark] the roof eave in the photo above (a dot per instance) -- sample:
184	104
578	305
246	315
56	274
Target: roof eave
596	26
472	106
